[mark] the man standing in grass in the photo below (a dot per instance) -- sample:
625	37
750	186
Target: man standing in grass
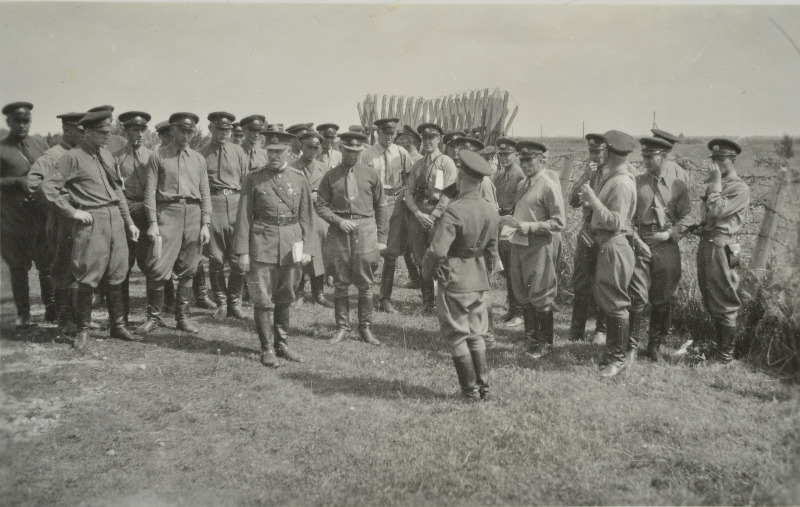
537	221
274	230
350	199
613	207
506	180
722	212
461	256
662	215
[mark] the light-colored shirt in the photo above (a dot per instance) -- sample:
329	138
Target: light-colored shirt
669	210
45	165
330	158
391	163
174	173
421	193
724	205
617	195
256	156
506	182
133	168
227	165
539	209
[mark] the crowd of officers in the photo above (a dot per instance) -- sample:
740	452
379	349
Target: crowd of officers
282	207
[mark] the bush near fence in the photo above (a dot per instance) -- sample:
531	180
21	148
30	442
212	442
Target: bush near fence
770	320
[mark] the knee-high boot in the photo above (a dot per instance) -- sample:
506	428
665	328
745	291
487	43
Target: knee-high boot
263	320
182	306
467	378
48	296
281	329
116	314
22	297
481	372
84	315
387	285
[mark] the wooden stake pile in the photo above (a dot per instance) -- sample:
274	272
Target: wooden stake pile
465	111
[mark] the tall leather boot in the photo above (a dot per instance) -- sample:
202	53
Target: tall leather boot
263	319
281	330
481	372
341	310
533	332
365	320
200	289
220	292
726	342
235	283
636	328
83	309
387	285
125	288
414	278
656	332
580	313
317	290
490	339
48	296
618	330
544	321
116	314
22	297
467	379
600	328
428	303
182	306
66	319
155	301
169	296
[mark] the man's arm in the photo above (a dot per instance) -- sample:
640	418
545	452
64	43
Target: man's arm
443	237
324	197
205	193
450	174
244	213
379	205
53	185
151	184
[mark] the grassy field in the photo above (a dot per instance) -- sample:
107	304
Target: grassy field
196	420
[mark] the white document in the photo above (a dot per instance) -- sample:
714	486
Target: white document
157	247
297	251
438	183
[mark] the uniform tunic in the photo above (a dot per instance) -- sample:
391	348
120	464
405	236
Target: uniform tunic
133	168
20	217
86	178
227	166
506	182
329	159
352	257
585	256
177	199
256	156
463	249
722	213
662	205
274	213
314	171
610	224
536	244
393	165
422	195
54	241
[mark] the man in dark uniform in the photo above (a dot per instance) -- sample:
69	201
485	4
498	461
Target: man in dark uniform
253	125
132	162
86	187
57	238
227	166
22	220
613	207
178	206
237	135
506	180
328	155
461	256
426	202
585	249
663	209
313	169
274	229
722	211
350	198
537	220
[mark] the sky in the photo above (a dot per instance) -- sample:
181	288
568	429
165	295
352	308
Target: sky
703	70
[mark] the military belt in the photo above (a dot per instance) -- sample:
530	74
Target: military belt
466	252
278	221
504	212
223	191
98	206
393	191
352	216
185	200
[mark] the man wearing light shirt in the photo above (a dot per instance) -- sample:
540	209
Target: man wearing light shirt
328	155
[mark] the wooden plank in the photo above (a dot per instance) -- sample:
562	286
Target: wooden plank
390	111
565	174
511	120
383	108
769	222
360	113
419	113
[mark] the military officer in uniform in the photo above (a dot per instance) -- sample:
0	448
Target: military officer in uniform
425	200
313	169
350	198
449	148
58	228
227	166
722	211
613	207
237	134
585	248
671	167
461	256
164	133
297	131
663	209
21	217
506	180
163	129
328	155
409	139
256	155
274	224
178	206
132	162
86	187
538	219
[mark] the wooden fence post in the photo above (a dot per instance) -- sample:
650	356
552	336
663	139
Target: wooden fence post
758	261
566	172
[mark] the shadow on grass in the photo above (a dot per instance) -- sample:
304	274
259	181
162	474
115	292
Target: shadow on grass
178	340
369	387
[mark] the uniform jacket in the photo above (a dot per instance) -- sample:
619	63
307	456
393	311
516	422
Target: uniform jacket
539	209
673	199
133	168
227	165
420	191
723	207
174	173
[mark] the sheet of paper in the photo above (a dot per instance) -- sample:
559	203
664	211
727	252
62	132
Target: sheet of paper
297	251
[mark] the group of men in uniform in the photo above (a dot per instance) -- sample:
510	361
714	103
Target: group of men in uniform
279	207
